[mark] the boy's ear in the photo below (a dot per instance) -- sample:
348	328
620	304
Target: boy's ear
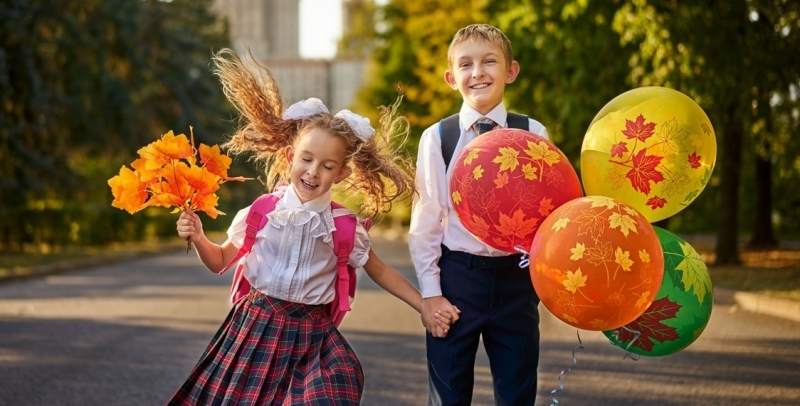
450	79
513	71
343	174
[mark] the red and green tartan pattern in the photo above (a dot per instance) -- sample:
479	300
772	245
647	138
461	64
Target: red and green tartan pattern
273	352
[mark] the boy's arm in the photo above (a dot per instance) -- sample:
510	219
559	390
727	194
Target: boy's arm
426	232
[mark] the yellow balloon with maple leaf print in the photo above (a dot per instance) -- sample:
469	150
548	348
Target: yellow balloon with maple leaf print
505	182
653	148
596	263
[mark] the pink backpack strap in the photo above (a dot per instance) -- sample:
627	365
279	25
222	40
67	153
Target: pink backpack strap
256	219
343	242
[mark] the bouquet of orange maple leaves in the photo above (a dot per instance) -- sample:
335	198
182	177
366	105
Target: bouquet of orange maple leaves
170	172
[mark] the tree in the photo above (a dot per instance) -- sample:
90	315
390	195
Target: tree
82	86
680	42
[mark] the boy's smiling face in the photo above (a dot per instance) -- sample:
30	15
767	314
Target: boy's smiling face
480	72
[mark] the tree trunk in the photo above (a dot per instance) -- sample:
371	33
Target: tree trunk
727	249
763	235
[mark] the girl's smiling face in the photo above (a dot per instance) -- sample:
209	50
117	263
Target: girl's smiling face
317	162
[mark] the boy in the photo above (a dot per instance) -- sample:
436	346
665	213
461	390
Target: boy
494	294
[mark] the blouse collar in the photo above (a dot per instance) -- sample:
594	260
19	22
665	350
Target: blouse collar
318	205
469	115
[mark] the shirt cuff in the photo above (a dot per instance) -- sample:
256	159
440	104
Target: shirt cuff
430	286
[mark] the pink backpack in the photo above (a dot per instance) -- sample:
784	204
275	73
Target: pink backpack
343	240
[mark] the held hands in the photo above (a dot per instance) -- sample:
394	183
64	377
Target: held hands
438	314
190	228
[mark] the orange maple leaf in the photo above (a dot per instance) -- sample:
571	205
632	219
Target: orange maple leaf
174	146
167	174
517	225
130	194
214	161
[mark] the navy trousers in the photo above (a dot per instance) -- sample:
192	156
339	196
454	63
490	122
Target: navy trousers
498	303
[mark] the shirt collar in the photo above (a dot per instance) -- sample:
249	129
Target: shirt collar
469	116
318	205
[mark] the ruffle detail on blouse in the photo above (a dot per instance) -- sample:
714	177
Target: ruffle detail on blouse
319	224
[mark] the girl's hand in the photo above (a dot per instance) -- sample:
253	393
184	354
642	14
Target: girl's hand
446	317
190	227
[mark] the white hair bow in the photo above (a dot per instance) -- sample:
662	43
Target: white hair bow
359	124
305	108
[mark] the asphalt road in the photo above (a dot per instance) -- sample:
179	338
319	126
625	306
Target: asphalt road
129	333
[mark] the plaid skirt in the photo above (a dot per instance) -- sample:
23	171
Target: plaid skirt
273	352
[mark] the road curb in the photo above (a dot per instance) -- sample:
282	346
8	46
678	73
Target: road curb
773	306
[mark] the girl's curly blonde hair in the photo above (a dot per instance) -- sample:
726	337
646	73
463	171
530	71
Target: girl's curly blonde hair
379	171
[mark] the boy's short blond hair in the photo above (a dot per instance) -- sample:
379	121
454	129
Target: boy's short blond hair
481	32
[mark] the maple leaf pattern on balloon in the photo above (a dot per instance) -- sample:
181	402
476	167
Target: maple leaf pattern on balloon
545	206
480	224
590	222
517	225
639	129
508	159
624	222
694	160
670	139
674	183
656	202
501	180
650	325
616	176
694	273
619	149
644	171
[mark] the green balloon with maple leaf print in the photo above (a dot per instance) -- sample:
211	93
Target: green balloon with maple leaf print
681	309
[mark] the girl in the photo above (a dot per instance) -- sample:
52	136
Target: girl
277	346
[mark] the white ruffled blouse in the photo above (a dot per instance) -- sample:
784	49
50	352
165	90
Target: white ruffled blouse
292	258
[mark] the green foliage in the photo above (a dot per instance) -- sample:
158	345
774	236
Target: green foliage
738	59
83	85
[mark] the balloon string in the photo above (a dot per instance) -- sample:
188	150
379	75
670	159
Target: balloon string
566	371
636	336
525	260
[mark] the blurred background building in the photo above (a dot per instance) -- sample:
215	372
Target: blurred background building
270	30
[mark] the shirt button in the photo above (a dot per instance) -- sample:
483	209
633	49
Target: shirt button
483	262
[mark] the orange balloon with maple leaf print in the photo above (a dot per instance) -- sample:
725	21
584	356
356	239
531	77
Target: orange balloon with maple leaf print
505	182
596	263
653	148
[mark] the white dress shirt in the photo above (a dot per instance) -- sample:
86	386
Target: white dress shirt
433	220
292	258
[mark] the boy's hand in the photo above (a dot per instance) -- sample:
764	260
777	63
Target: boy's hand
190	227
429	307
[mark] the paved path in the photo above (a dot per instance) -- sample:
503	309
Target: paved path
128	333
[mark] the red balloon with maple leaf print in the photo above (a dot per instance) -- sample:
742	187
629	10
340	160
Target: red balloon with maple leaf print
505	182
596	263
651	147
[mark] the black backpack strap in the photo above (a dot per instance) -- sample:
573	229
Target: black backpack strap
519	121
449	132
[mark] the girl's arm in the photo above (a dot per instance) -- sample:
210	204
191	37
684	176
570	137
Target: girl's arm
213	256
394	283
